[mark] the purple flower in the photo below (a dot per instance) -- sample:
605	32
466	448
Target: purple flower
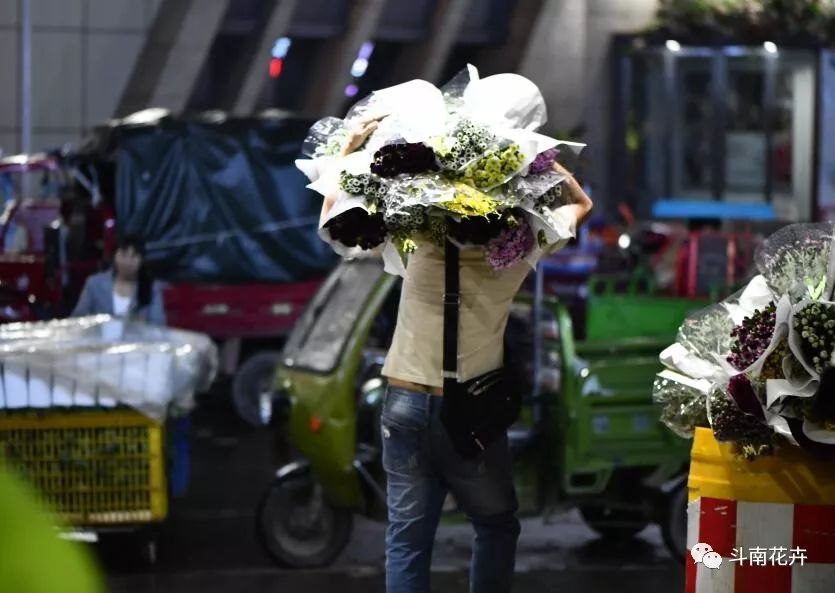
743	393
393	159
357	228
543	162
752	337
511	245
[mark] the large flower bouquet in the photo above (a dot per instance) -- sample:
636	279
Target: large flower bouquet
758	367
463	161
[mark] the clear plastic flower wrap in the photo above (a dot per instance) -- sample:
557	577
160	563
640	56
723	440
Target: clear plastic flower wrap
683	402
707	332
325	138
413	111
552	227
700	348
453	90
769	350
405	193
797	260
536	192
101	361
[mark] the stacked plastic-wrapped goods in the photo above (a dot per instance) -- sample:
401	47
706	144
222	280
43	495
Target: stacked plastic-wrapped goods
103	362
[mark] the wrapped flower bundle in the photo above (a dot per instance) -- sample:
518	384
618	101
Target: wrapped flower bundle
463	161
759	367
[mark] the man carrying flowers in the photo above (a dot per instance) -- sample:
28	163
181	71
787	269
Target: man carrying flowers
461	196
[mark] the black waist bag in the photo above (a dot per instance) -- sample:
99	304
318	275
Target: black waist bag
479	411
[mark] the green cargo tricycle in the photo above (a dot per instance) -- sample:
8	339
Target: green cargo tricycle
589	436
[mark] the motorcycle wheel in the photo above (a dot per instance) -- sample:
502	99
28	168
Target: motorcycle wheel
252	388
298	527
674	525
615	524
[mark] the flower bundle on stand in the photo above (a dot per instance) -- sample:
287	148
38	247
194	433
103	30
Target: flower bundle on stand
759	367
462	162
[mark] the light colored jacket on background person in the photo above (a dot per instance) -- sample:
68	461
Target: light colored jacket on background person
97	299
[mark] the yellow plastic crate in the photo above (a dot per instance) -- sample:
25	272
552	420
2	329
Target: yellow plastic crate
102	467
789	477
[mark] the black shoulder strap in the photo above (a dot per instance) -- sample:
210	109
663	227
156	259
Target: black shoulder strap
452	301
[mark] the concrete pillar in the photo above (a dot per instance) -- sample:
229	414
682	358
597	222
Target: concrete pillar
173	55
331	71
254	70
426	59
604	18
554	59
507	56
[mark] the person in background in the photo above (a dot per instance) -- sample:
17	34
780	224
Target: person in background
127	291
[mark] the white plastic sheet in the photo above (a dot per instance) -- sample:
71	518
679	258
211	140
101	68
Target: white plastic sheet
102	361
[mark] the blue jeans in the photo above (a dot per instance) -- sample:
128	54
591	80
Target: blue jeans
422	466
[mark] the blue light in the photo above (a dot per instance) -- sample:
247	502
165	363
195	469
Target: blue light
359	67
281	47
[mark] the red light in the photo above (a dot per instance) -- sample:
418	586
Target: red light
276	64
315	425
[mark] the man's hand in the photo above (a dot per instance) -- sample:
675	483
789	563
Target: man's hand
579	199
357	137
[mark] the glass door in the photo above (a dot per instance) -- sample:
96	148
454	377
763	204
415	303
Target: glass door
691	143
724	124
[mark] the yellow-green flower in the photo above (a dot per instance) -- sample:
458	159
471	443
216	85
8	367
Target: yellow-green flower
469	201
404	243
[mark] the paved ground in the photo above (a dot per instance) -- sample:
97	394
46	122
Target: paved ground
209	545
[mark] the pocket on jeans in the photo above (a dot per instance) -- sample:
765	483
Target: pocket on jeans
401	424
403	409
401	449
